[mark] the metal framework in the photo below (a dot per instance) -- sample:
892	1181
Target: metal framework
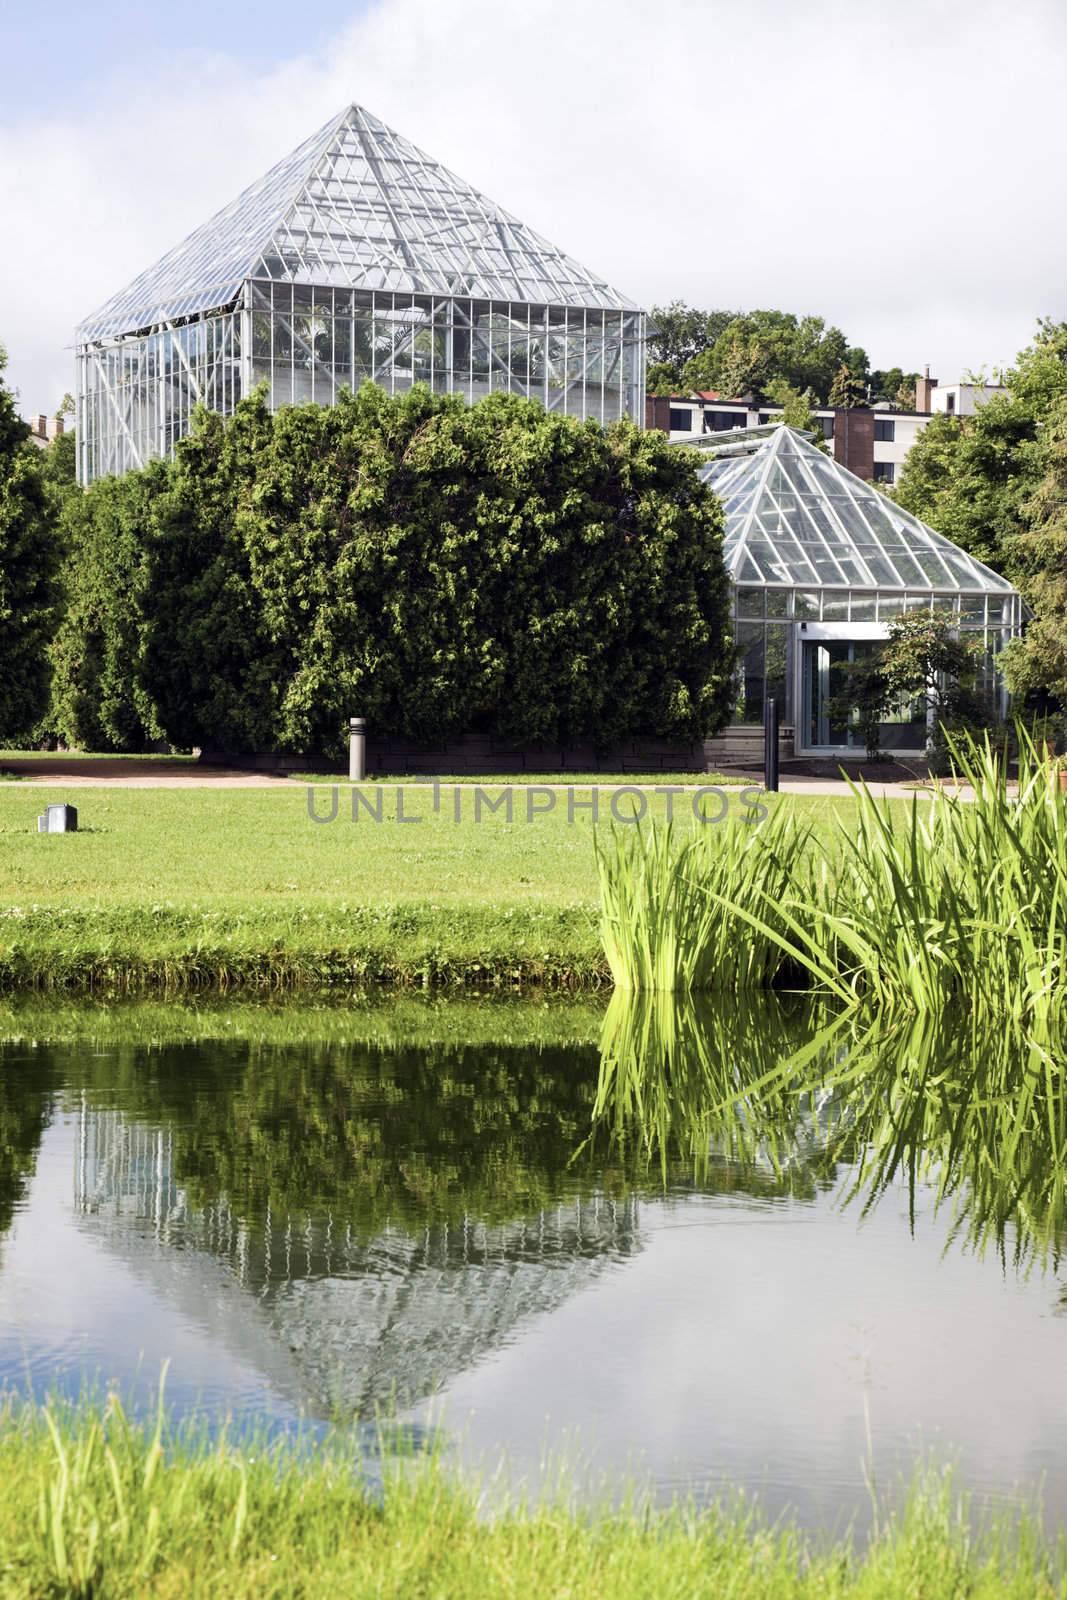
356	257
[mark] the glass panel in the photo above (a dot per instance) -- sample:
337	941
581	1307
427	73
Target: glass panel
776	648
750	602
749	708
777	602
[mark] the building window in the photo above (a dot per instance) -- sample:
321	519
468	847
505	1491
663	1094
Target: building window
885	430
885	471
680	421
720	421
950	402
827	427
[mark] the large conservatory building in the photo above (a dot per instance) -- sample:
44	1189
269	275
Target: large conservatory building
820	562
356	257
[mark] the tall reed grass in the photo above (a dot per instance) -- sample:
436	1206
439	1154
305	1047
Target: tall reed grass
958	896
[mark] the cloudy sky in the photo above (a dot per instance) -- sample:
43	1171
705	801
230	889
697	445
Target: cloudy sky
897	168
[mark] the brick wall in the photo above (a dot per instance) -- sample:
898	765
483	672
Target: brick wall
854	441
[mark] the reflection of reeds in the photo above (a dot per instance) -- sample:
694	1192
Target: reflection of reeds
976	1117
947	899
692	1081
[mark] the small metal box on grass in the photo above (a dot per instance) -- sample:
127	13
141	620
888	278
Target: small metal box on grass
58	819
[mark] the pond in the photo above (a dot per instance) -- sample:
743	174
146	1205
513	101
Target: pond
697	1250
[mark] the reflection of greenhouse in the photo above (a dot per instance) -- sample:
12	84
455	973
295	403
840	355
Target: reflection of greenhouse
358	1322
356	257
820	562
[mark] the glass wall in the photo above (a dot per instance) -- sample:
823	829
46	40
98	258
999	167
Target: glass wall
136	395
768	627
308	343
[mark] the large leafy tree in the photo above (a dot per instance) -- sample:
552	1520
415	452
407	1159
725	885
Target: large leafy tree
29	566
973	478
1036	666
759	347
677	333
438	568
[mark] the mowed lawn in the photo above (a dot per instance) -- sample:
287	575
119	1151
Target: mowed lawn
214	885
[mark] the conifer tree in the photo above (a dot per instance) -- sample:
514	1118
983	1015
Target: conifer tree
29	564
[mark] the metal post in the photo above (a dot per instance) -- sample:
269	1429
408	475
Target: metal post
770	745
357	749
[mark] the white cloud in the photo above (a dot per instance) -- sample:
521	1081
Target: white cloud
897	169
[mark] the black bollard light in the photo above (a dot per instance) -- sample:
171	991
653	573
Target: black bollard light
770	745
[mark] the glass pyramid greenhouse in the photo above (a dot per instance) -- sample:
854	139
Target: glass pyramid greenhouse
821	561
356	257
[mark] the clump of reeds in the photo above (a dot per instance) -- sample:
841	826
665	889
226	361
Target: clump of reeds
710	909
959	896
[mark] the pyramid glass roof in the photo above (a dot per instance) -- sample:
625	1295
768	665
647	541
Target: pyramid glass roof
358	207
796	518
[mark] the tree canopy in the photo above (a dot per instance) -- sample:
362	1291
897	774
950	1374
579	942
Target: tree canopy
746	353
29	568
439	568
974	478
996	484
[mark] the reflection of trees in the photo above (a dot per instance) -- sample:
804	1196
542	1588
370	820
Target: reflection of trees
26	1086
974	1110
404	1134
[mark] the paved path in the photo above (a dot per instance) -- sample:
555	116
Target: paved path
128	772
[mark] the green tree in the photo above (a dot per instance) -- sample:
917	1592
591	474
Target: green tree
759	347
207	659
662	378
736	368
98	700
973	478
925	659
677	333
1035	666
439	567
29	565
797	410
847	390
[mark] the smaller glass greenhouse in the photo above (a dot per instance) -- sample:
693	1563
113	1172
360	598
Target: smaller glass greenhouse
820	561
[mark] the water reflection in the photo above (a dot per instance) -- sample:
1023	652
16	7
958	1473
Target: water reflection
675	1228
371	1319
970	1112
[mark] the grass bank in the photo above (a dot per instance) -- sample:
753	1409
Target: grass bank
97	1506
198	889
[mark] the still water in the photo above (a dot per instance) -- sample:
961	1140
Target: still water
621	1240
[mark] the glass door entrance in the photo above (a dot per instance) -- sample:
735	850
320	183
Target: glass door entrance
829	724
825	678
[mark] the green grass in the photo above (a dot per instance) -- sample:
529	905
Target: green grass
89	755
199	888
98	1508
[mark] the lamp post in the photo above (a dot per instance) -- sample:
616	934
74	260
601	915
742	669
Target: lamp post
770	745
